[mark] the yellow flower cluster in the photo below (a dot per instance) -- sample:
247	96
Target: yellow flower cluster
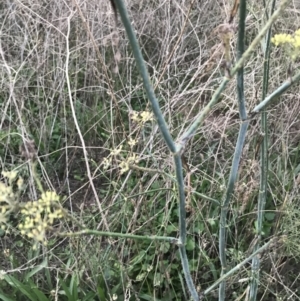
282	38
124	165
6	193
142	117
8	198
39	215
291	43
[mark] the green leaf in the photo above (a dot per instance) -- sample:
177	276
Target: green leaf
24	289
270	216
66	290
171	228
164	247
101	293
190	245
39	294
90	297
36	269
147	297
5	298
74	287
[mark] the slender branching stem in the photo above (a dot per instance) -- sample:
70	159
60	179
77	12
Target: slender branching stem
237	267
279	91
238	149
216	96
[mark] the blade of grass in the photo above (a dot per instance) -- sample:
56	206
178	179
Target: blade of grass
23	288
5	298
66	290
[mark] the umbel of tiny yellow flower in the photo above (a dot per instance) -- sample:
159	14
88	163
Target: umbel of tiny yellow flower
142	117
8	199
281	39
39	215
125	165
290	43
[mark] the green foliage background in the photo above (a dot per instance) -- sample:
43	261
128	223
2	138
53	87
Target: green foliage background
180	44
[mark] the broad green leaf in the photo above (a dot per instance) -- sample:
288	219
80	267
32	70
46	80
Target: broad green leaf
164	247
101	293
270	216
190	245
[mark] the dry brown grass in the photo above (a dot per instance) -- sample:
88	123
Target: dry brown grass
184	53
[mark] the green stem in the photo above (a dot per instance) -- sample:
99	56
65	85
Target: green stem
182	227
263	169
145	75
240	52
199	120
238	149
237	267
167	137
121	235
279	91
225	205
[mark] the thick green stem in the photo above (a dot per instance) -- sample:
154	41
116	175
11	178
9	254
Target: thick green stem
238	148
145	75
263	169
225	205
167	137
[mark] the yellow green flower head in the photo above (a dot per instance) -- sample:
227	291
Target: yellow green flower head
281	38
39	215
290	43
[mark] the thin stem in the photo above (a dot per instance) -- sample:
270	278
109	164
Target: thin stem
187	274
182	213
192	129
240	52
199	120
259	37
168	139
182	227
237	267
122	235
77	126
279	91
